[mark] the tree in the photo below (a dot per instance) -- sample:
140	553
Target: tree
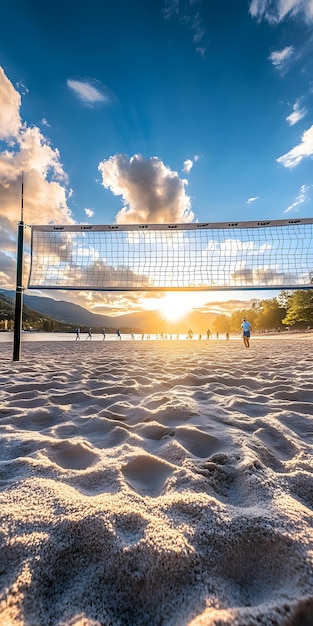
221	323
270	314
283	298
236	319
300	308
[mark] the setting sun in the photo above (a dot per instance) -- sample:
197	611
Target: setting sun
174	305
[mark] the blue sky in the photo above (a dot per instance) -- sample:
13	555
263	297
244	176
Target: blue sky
211	101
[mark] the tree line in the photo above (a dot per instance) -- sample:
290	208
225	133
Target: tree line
289	309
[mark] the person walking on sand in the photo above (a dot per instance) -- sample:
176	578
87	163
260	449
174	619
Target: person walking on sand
246	327
89	334
118	334
103	333
77	331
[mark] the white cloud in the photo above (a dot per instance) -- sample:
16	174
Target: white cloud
89	212
10	102
86	93
252	199
45	193
188	165
297	113
299	152
301	197
275	11
45	122
280	58
151	191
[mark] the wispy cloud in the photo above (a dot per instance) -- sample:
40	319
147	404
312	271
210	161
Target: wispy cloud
252	199
87	93
22	88
299	152
187	12
281	58
89	212
300	199
297	114
45	122
151	191
275	11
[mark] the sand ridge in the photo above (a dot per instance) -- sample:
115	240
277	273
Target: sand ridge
157	483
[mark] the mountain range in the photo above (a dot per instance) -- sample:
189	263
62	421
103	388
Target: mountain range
146	321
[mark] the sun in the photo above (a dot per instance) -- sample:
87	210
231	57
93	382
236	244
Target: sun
173	306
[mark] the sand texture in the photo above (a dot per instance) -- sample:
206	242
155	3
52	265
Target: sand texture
157	483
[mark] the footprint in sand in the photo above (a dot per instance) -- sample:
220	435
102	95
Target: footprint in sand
196	441
249	576
147	475
277	443
71	455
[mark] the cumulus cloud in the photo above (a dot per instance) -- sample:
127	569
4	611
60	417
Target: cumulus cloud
263	276
87	93
275	11
89	212
252	199
301	197
10	102
299	152
25	149
280	58
151	191
297	113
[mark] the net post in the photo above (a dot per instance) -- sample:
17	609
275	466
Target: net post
18	314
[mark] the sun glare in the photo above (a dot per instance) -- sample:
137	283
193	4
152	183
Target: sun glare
174	305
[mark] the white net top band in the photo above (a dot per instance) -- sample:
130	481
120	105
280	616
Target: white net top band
204	256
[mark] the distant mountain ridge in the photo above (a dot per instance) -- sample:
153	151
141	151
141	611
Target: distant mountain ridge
62	311
146	321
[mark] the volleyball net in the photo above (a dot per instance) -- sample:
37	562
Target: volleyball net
195	257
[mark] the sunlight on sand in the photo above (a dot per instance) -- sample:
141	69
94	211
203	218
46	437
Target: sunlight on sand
157	483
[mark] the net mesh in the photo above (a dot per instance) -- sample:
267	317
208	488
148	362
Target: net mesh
242	255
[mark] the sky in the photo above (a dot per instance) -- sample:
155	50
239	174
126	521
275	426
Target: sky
102	104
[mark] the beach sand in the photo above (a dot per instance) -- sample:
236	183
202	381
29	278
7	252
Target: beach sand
157	483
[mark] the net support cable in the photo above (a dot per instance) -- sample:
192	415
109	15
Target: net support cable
154	257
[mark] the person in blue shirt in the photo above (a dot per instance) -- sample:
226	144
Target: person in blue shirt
246	327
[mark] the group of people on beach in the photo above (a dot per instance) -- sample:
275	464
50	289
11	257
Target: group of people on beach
245	327
89	334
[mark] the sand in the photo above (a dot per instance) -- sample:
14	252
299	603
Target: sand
157	483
